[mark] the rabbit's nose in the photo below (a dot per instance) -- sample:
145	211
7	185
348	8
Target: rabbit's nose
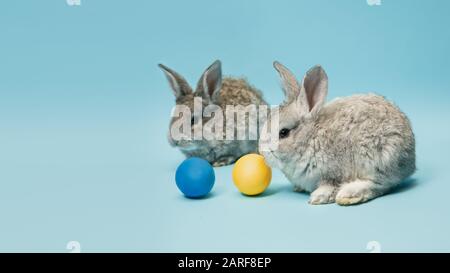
268	145
170	139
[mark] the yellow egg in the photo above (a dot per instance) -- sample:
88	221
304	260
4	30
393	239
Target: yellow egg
251	174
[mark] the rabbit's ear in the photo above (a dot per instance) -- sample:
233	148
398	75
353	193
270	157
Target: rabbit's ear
291	87
210	82
315	85
178	84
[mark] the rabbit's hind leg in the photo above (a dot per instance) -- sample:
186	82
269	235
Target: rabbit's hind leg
356	192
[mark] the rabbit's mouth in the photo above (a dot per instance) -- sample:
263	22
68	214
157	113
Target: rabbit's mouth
271	159
188	148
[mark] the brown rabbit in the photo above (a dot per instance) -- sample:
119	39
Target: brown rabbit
213	91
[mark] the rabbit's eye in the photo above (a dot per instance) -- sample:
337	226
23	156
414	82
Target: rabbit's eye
284	133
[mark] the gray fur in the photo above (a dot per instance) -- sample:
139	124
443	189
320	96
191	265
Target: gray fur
348	151
215	91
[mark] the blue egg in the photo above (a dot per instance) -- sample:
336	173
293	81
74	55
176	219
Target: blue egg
195	177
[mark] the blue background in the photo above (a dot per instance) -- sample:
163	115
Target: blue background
84	113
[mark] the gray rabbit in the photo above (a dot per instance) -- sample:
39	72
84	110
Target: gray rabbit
217	92
347	151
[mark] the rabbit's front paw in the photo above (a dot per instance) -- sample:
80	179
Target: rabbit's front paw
324	194
223	161
355	192
219	164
